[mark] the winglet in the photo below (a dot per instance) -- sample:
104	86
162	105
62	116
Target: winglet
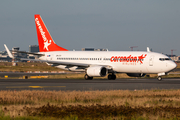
148	50
9	53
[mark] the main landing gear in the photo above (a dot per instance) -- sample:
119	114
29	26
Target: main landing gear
111	76
86	77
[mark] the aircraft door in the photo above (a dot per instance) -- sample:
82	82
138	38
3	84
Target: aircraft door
102	59
151	59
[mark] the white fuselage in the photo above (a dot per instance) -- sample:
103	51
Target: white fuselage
119	61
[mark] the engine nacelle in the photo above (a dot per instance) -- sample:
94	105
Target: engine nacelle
96	71
136	74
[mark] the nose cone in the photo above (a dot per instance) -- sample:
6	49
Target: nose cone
172	65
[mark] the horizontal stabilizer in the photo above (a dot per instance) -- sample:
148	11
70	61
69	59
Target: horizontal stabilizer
32	53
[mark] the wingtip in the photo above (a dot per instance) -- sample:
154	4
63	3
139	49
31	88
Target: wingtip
9	53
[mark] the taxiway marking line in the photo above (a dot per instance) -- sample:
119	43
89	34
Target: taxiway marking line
33	86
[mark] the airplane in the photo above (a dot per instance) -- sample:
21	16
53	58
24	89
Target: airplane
99	63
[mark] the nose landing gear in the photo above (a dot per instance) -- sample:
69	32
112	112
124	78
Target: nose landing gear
159	78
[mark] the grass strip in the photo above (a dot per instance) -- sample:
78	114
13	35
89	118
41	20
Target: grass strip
113	104
102	111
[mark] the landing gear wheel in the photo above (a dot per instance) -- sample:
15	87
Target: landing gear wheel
111	77
159	78
86	77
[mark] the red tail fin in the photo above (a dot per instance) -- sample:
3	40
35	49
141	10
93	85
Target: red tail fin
45	40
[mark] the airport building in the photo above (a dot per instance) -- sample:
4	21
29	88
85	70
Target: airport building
175	58
33	48
4	57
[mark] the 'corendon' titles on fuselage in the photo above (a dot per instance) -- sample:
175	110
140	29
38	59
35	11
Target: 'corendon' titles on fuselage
128	58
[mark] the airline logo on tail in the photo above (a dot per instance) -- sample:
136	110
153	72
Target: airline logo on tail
46	43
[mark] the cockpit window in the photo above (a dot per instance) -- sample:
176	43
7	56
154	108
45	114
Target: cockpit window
167	59
163	59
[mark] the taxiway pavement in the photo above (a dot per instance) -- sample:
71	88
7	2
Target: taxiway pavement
86	85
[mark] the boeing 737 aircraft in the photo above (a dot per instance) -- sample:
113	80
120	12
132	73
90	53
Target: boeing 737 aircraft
99	63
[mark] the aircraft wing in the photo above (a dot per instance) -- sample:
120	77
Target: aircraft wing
58	62
11	56
69	64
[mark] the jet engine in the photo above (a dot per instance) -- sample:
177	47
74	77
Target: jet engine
96	71
136	74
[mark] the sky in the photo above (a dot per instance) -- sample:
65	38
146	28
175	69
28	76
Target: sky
113	24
